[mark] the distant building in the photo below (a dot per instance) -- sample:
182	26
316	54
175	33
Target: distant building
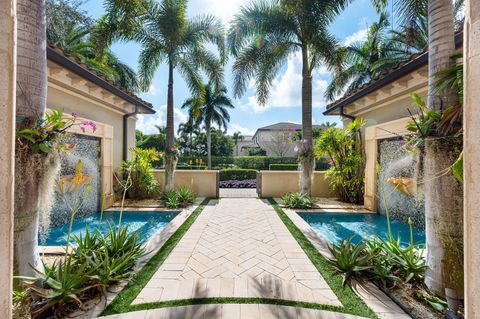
242	146
276	139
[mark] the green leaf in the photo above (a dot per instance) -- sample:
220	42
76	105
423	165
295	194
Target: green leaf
457	169
418	100
44	148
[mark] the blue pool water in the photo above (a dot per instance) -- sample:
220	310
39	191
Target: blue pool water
338	226
145	223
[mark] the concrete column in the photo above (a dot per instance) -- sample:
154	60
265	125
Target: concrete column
7	150
472	159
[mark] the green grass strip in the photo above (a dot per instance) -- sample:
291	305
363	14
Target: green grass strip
234	300
352	303
123	300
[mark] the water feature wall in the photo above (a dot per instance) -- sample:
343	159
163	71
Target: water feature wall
86	149
396	162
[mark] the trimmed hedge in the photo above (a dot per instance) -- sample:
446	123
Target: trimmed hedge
237	174
262	163
283	167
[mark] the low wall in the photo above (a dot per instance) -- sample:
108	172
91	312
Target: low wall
204	183
278	183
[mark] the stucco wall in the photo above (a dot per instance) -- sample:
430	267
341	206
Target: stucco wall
203	183
279	183
89	110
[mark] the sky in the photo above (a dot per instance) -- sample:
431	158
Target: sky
284	104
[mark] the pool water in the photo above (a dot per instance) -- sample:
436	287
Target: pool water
335	227
145	223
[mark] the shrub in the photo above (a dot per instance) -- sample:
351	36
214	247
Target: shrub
237	174
262	162
247	183
298	200
143	183
283	167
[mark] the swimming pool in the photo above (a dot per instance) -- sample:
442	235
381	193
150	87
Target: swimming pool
145	223
335	227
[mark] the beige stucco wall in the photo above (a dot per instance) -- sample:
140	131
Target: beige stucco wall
85	108
279	183
472	160
203	183
7	150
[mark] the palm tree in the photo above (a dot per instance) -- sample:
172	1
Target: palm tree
31	104
262	37
166	36
443	195
237	136
213	110
188	129
368	59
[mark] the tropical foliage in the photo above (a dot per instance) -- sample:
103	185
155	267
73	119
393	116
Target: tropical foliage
343	147
138	173
179	199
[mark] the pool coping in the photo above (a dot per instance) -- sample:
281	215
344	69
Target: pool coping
159	235
327	209
377	300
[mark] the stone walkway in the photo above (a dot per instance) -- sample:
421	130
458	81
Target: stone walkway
238	248
238	193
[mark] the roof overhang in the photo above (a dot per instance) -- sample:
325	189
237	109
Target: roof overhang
69	64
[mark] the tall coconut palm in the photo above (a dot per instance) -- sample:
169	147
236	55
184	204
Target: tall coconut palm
213	109
262	37
166	36
443	194
31	103
237	136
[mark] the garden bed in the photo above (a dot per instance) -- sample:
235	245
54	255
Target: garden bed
247	183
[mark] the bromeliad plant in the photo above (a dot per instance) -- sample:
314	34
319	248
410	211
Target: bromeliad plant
45	133
177	199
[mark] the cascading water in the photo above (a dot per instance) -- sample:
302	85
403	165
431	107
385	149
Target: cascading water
404	201
85	149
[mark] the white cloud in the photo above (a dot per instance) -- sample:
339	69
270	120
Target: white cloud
146	123
286	90
359	36
152	90
232	128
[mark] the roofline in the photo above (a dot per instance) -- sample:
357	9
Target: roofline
65	62
407	68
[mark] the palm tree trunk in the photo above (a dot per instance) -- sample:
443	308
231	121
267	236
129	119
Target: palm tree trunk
236	147
443	195
31	103
169	159
209	143
307	159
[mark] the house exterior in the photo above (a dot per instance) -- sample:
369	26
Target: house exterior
243	145
75	88
276	139
386	105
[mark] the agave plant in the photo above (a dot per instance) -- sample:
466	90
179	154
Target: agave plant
298	200
185	196
350	259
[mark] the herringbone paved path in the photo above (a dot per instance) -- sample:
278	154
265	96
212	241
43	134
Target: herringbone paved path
238	248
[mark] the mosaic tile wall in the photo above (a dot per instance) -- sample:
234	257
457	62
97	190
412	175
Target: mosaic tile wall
87	149
397	162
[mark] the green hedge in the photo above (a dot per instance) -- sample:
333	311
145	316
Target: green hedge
237	174
283	167
261	163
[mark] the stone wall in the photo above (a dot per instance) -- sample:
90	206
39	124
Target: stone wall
87	149
397	162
